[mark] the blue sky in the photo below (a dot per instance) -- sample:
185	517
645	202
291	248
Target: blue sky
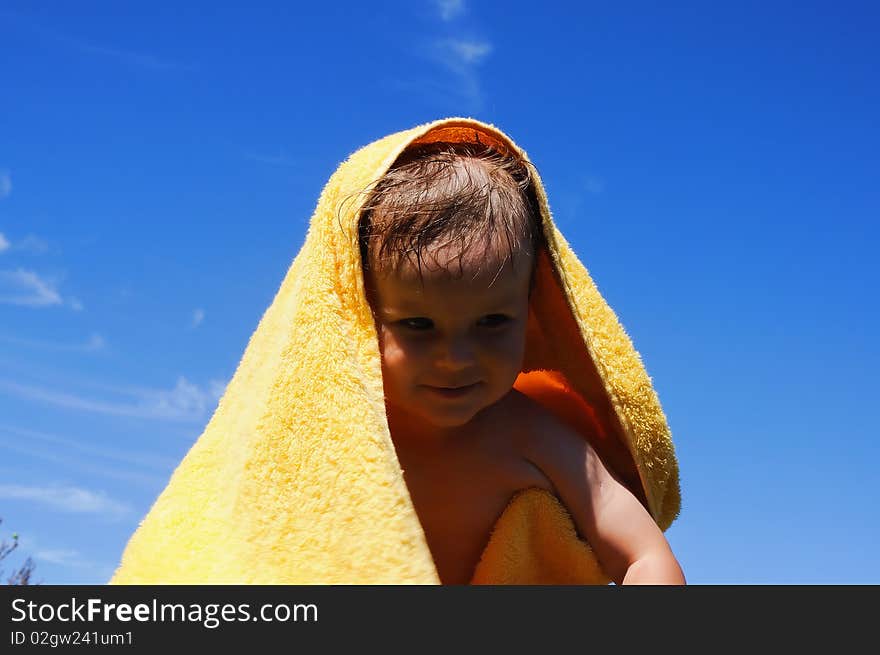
714	165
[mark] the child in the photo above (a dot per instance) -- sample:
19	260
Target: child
437	393
449	243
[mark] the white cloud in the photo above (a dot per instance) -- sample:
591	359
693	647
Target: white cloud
468	52
66	499
449	9
127	57
26	288
95	343
198	317
67	557
456	54
32	243
460	58
138	59
86	464
70	558
63	556
93	452
5	184
217	388
594	184
185	402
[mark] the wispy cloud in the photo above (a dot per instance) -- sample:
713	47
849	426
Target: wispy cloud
88	464
461	59
185	402
449	9
217	388
594	184
99	572
456	51
130	58
50	375
573	198
66	499
95	452
137	59
26	288
198	317
5	184
30	244
278	159
95	343
134	467
64	556
70	558
466	52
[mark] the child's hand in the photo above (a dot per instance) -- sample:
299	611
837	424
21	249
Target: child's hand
655	568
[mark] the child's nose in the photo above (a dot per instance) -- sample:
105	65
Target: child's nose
455	353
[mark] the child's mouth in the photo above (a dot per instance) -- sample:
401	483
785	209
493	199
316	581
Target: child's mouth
452	392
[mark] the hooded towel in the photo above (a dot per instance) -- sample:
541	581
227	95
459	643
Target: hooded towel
295	479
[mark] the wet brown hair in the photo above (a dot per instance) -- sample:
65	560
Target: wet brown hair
457	195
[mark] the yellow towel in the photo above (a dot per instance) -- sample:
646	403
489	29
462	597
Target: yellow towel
295	479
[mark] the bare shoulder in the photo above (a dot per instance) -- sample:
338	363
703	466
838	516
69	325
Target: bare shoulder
608	516
558	450
506	437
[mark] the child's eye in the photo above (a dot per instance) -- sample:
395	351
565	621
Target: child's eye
417	323
494	320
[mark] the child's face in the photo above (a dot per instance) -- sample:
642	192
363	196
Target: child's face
451	347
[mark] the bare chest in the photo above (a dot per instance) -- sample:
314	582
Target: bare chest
460	499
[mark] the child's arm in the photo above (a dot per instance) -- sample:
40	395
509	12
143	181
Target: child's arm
629	545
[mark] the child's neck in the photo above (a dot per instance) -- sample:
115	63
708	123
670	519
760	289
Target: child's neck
412	434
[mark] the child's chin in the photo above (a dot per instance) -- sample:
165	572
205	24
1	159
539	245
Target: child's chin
450	422
450	417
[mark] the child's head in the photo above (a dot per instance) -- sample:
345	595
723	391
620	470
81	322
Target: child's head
449	240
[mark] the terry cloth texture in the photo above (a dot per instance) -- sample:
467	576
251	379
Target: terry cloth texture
295	479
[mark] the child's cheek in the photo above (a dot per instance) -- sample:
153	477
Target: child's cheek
397	360
507	343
